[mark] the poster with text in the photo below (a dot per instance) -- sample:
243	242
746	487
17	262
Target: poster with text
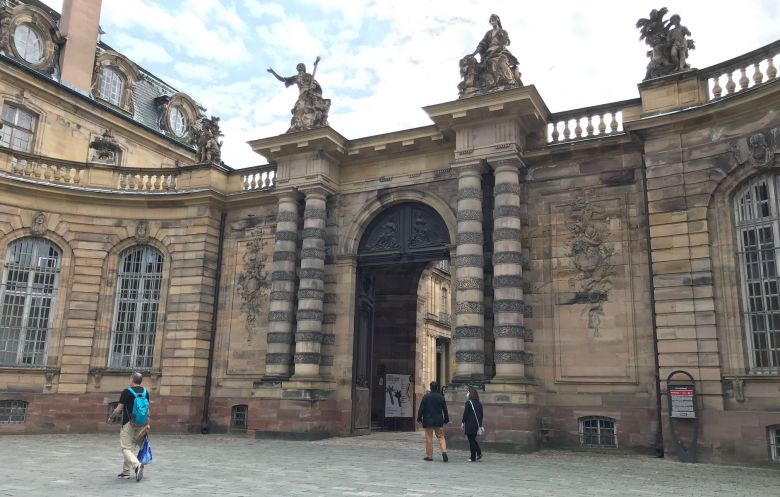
399	394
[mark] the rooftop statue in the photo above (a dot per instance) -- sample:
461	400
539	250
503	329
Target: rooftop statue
668	41
497	67
311	110
206	137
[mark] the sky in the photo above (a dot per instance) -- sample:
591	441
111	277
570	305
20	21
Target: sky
382	60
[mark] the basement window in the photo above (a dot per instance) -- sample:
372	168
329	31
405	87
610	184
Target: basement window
238	416
598	432
774	442
13	411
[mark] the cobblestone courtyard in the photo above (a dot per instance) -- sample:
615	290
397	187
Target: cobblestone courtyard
385	464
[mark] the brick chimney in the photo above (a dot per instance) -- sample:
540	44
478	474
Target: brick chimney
79	24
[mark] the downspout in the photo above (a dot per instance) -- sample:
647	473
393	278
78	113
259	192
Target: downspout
659	436
204	423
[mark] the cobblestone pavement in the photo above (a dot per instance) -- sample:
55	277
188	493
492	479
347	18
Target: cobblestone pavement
383	464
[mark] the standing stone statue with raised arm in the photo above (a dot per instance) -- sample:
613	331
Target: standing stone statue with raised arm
497	67
668	41
311	110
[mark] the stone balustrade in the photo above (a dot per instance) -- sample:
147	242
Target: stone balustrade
740	73
142	180
587	122
258	178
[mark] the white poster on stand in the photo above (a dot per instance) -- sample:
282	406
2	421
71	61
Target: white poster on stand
399	395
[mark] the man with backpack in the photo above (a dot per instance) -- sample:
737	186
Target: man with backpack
134	406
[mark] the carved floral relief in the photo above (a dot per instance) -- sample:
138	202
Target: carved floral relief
253	282
591	258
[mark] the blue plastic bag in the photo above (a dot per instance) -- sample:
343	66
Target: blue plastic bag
145	454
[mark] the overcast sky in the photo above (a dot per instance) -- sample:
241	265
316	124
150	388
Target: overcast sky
382	60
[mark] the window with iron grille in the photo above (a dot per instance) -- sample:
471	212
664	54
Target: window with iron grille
30	276
112	85
598	432
17	128
756	213
238	415
137	304
774	442
13	411
117	419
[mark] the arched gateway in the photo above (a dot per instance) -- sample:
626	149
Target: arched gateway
394	250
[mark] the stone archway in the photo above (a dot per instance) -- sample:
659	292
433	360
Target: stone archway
393	252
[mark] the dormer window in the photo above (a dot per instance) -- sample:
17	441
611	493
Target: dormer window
112	86
177	120
28	43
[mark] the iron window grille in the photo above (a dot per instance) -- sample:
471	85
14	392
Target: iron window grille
238	417
774	442
137	304
758	238
13	411
17	128
598	432
117	419
30	277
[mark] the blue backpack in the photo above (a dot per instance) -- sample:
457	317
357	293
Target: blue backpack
140	414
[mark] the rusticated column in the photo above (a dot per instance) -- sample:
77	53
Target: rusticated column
311	292
281	307
469	336
508	305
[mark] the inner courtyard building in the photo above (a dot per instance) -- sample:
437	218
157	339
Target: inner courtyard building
605	276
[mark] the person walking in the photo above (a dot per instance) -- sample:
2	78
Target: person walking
433	415
472	423
134	406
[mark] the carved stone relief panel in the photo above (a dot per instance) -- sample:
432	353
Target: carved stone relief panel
593	300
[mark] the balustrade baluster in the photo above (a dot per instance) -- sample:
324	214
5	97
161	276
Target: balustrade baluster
14	165
758	77
66	174
148	183
566	130
47	172
156	184
174	180
716	88
77	176
771	70
614	124
555	133
744	81
57	173
253	183
602	124
589	128
245	183
730	84
578	129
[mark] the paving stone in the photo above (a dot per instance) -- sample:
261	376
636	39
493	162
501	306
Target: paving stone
379	465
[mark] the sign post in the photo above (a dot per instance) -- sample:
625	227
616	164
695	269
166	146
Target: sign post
681	395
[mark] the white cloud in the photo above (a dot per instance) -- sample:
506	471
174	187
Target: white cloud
257	8
140	51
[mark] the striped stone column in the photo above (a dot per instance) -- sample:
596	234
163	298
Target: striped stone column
508	305
311	291
282	297
469	335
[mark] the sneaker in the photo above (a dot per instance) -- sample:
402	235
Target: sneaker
123	476
444	457
427	459
469	460
139	472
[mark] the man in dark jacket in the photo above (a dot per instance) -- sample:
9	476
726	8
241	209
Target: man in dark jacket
433	416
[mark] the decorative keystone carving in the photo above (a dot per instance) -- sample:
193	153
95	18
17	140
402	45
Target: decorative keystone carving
39	224
761	154
253	282
142	232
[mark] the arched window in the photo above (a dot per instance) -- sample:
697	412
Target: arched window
598	432
32	266
137	304
112	85
756	213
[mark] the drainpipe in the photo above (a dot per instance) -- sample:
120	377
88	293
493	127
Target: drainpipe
659	436
204	423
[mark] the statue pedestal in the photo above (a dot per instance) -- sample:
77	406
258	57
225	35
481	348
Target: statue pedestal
673	92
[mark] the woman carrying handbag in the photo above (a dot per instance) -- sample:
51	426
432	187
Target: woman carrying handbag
472	424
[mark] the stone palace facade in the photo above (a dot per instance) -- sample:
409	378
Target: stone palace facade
563	263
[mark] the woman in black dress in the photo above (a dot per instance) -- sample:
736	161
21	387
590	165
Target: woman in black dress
471	423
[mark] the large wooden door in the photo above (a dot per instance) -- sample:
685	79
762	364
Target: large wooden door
361	374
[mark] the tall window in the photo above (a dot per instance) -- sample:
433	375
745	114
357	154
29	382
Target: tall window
757	236
137	304
17	129
32	266
111	86
597	432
